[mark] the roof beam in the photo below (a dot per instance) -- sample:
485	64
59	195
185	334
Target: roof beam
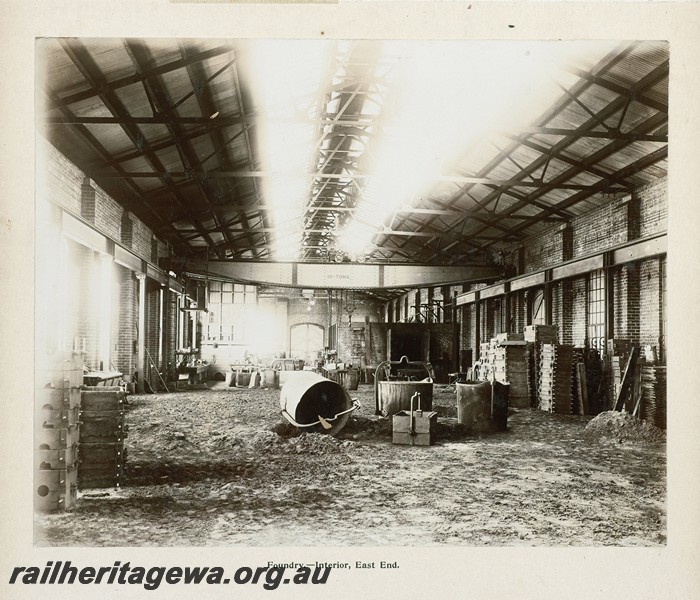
60	101
227	121
203	175
156	94
136	203
89	70
207	107
619	89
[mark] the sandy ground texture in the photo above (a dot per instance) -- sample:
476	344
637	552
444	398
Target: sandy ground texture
220	467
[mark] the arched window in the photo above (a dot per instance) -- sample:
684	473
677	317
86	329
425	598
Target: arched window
306	341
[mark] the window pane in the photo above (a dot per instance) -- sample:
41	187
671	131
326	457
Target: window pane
596	310
538	308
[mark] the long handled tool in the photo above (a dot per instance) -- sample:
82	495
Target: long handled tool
157	371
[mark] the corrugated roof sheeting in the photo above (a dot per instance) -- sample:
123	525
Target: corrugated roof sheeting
204	79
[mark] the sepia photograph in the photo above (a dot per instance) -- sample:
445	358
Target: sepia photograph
363	298
351	292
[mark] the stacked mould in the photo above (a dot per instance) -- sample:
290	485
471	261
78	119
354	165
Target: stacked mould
653	407
57	431
555	378
102	451
578	383
510	365
535	336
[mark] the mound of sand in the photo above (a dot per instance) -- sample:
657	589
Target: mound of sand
622	427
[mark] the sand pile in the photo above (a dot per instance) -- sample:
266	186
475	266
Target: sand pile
622	427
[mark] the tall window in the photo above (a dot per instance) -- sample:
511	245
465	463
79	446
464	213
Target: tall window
596	310
231	312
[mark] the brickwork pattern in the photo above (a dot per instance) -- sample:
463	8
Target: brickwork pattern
602	228
544	251
152	339
650	302
128	315
579	313
653	208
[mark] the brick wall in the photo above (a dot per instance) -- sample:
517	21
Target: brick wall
61	183
653	208
602	228
545	250
126	287
152	339
579	314
650	302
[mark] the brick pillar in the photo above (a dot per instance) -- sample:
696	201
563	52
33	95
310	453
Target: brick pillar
153	325
126	310
620	295
579	311
632	322
564	311
650	302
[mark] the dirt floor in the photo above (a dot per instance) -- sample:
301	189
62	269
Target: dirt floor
220	467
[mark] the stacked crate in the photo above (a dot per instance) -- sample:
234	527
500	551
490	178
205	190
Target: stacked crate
102	451
510	366
57	406
653	408
577	386
555	378
535	336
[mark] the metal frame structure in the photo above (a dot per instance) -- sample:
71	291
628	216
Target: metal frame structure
167	128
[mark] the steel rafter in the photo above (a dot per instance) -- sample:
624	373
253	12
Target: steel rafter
582	166
206	105
613	58
84	63
161	105
65	101
603	153
136	203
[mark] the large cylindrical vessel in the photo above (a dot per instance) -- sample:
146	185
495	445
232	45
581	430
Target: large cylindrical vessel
315	404
395	396
474	405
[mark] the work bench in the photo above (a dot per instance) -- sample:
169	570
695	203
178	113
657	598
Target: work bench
105	378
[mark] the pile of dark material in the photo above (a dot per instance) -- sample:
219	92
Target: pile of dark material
622	427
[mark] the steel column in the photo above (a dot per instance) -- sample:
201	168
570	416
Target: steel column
141	344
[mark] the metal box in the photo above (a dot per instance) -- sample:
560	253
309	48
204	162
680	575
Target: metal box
55	489
59	458
414	429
